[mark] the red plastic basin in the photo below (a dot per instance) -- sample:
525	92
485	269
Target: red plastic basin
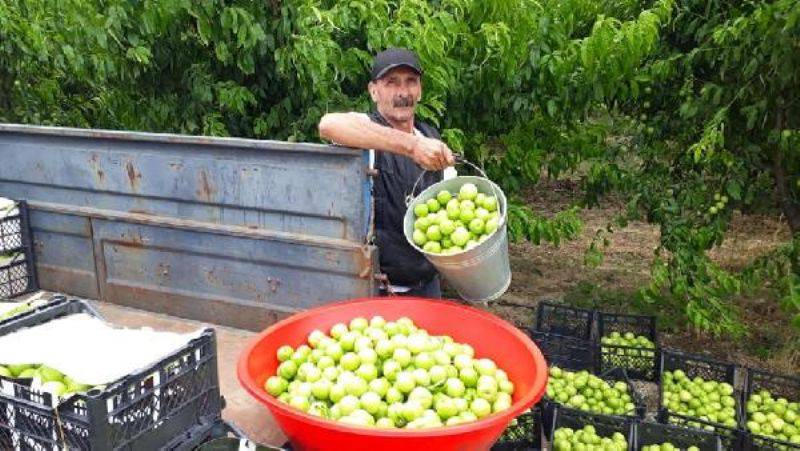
490	336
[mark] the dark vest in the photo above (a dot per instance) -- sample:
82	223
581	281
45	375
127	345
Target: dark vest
403	264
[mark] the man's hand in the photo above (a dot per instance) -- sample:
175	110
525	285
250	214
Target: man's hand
431	154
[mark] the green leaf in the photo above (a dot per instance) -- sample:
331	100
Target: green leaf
734	190
551	107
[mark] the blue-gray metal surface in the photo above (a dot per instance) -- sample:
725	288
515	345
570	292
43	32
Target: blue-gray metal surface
232	231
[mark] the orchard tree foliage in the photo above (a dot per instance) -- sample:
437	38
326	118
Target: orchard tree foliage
721	134
687	108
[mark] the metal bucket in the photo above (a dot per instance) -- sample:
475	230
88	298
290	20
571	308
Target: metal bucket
483	272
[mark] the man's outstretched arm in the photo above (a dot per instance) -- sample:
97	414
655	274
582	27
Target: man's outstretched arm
357	130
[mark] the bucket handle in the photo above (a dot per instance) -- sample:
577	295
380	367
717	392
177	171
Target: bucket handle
458	159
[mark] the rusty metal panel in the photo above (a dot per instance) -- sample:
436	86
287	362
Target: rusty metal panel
233	231
60	243
300	188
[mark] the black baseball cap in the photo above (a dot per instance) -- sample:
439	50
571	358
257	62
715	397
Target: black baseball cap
394	57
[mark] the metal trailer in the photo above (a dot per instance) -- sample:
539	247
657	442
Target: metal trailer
230	231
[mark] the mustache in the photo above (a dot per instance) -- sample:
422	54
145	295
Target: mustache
403	102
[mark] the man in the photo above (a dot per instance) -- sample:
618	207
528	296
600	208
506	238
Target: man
404	147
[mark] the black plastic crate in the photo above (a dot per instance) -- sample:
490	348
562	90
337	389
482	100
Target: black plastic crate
639	362
731	438
566	321
145	410
57	307
238	443
753	442
683	438
208	437
17	266
614	375
566	352
524	435
707	369
54	300
605	425
779	386
617	375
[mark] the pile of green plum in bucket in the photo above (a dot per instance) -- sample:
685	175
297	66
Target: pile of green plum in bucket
389	374
454	222
465	236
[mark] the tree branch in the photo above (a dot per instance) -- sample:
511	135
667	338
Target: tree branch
790	209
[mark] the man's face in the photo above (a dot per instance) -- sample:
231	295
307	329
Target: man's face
396	93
